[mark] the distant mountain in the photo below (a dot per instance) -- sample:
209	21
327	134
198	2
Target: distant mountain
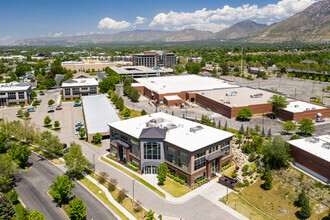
124	36
310	25
242	29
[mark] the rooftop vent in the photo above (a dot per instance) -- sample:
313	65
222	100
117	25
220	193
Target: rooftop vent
232	93
312	140
296	106
258	95
197	128
170	126
308	108
326	145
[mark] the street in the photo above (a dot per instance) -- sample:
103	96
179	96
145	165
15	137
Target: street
34	184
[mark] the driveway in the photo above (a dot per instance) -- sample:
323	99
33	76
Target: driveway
34	184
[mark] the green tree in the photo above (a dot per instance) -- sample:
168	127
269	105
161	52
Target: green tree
225	127
193	68
22	105
50	143
289	126
106	84
276	153
206	121
35	215
269	134
75	160
162	171
57	124
268	180
7	172
257	128
134	95
150	215
82	133
244	114
77	209
120	104
302	199
19	112
225	68
62	189
26	114
278	102
306	126
143	112
241	129
20	153
97	138
127	113
76	100
51	102
110	92
47	121
7	211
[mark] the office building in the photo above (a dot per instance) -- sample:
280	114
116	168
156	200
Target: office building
154	58
15	93
76	88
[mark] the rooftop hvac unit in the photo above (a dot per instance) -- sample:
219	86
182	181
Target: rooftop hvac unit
296	106
308	109
258	95
326	145
196	128
170	126
313	108
232	93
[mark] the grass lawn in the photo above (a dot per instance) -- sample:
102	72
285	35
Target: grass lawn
279	201
174	188
240	205
116	165
95	189
229	171
66	209
133	115
127	203
54	160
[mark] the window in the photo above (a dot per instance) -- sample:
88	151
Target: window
84	88
225	148
199	177
123	138
114	135
152	150
170	154
93	90
114	151
183	160
133	142
11	95
134	150
199	161
21	95
183	177
67	92
2	93
212	149
75	91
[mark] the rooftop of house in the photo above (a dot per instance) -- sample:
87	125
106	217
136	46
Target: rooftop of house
183	133
318	146
80	82
301	106
174	84
238	97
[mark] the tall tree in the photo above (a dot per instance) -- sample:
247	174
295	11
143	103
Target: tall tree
306	126
35	215
7	211
51	143
162	171
62	189
20	153
106	84
289	126
277	102
276	153
77	209
7	171
75	161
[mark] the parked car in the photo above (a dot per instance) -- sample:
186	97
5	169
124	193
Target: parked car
31	109
51	106
51	111
79	128
42	93
59	108
77	105
79	124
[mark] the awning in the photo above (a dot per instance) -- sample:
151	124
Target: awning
122	143
214	155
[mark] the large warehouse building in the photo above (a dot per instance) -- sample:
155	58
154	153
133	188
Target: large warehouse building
98	112
156	88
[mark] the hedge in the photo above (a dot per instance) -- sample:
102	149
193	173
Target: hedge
226	167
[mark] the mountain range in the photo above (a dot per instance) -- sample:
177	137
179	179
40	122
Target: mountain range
310	25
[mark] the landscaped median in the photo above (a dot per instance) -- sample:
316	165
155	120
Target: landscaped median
119	167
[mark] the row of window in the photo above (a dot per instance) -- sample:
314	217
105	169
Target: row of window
76	91
12	95
152	150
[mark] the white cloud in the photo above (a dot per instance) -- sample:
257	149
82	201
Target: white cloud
139	20
108	23
59	34
205	19
4	38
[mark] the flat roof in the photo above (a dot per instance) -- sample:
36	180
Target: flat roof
301	106
238	97
179	134
14	86
80	82
129	70
98	112
173	84
318	146
172	97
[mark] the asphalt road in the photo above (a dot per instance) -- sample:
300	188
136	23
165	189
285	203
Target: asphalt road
34	184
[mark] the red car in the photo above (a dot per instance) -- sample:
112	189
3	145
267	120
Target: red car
58	108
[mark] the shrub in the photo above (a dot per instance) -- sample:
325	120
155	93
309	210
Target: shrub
112	184
246	183
240	185
234	175
121	195
170	175
132	167
226	167
103	177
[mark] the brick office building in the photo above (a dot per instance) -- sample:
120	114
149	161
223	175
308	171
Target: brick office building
14	93
192	151
297	110
313	156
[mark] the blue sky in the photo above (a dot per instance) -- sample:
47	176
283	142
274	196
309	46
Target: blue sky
22	19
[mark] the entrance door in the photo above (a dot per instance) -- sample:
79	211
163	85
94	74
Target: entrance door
214	166
150	170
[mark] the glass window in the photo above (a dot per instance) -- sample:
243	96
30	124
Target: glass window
199	161
134	142
134	150
183	160
170	154
11	95
84	88
199	177
212	149
21	95
123	138
93	90
152	150
2	93
75	91
67	92
225	148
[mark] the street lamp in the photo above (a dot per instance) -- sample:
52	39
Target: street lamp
133	191
94	164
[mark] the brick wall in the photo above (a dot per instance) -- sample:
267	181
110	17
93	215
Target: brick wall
172	102
298	116
311	161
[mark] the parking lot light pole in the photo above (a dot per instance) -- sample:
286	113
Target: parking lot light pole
133	191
